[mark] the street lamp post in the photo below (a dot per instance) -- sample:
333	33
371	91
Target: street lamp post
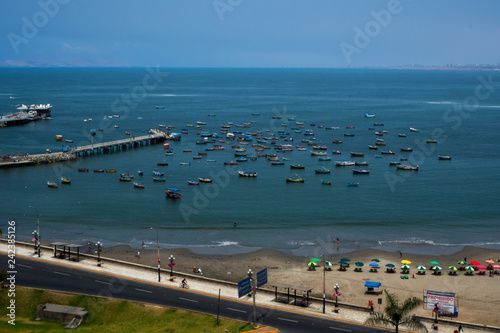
172	264
158	246
436	311
35	238
254	289
36	233
337	287
324	287
98	245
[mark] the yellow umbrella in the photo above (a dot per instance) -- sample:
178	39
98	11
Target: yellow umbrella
405	262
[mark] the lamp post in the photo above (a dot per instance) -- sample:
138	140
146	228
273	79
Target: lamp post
324	287
98	245
254	289
35	238
158	246
436	311
337	287
171	265
36	233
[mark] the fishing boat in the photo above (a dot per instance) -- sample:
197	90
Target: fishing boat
378	124
348	134
296	166
352	184
162	164
295	179
241	159
205	180
196	157
408	149
193	182
173	193
187	150
59	137
324	158
407	167
51	184
360	171
138	185
169	153
361	163
344	163
413	129
98	170
431	141
68	141
231	163
402	135
369	115
185	163
326	182
140	173
83	170
65	180
247	173
336	152
357	154
277	163
125	177
318	153
387	152
337	141
211	160
158	174
159	179
444	157
322	170
394	163
160	107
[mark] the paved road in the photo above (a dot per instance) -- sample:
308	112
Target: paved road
38	274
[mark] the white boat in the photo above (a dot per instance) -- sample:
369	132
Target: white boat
247	173
344	163
407	167
369	115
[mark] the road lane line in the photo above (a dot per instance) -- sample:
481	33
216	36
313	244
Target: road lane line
189	300
103	282
62	273
290	320
340	329
237	310
24	266
144	291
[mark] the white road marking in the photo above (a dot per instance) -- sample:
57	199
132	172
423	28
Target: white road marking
290	320
237	310
340	329
103	282
61	273
24	266
144	291
189	300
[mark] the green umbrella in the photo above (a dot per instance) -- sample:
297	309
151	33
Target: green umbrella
315	259
345	259
390	265
421	268
328	263
343	263
435	263
453	268
359	264
469	268
462	263
436	268
405	266
312	264
376	260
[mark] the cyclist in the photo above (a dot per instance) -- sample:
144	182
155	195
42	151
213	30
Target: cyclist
184	283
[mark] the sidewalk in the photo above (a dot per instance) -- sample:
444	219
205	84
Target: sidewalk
206	287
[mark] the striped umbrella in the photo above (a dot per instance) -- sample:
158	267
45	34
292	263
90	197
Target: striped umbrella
453	268
405	266
328	263
312	264
421	268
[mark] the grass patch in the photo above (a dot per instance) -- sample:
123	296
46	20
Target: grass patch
110	315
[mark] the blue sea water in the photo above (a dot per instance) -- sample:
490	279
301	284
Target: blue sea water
441	208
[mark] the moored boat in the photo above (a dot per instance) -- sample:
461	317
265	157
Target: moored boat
159	179
193	182
98	170
364	163
296	166
344	163
324	158
407	167
322	170
357	154
444	157
231	163
125	177
413	129
205	180
408	149
173	193
326	182
360	171
394	163
277	163
431	141
295	179
247	173
110	170
387	152
352	184
65	180
83	170
162	164
51	184
138	185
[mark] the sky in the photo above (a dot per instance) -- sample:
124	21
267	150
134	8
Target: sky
248	33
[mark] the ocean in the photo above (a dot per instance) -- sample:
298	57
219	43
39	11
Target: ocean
446	205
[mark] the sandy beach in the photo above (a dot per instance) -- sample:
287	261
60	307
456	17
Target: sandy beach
476	294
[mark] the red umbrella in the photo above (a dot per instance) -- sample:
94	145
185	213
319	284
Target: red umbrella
475	263
481	267
489	261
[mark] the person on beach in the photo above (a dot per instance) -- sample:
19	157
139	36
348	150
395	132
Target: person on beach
195	270
460	329
138	255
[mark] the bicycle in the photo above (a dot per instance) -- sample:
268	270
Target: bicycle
184	285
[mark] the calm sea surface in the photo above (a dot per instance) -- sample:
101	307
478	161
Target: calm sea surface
441	208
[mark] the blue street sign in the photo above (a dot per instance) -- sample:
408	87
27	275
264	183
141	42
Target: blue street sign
244	287
262	277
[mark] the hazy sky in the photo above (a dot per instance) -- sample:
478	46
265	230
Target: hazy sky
249	33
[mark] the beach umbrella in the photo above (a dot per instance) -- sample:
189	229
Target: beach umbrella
453	268
328	263
436	268
376	260
489	261
421	268
359	264
475	263
345	259
390	265
312	264
373	264
462	263
469	268
481	267
315	259
405	266
405	262
496	266
435	263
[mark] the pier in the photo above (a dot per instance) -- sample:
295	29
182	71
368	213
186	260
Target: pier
154	137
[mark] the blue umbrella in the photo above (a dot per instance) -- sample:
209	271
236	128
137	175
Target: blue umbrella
373	264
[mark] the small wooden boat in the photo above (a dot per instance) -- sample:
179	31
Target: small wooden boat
361	163
295	179
158	174
318	153
337	141
277	163
296	166
378	124
110	170
360	171
169	153
352	184
401	135
241	159
408	149
336	152
138	185
324	158
68	141
65	180
125	177
127	133
322	170
444	157
247	173
374	147
369	115
159	179
357	154
211	160
196	157
160	107
98	170
394	163
431	141
140	173
326	182
344	163
407	167
162	164
59	137
413	129
387	152
231	163
205	180
348	134
173	193
193	182
187	150
185	163
83	170
382	144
